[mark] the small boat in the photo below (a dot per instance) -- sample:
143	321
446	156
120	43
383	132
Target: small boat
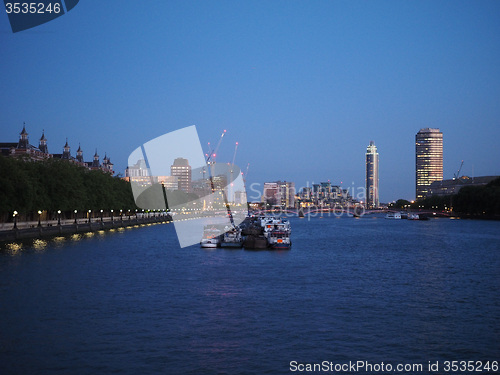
417	217
275	223
211	237
277	231
279	239
232	237
393	215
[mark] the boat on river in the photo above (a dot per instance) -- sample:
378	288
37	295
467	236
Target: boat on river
211	237
279	239
414	216
393	215
232	237
277	232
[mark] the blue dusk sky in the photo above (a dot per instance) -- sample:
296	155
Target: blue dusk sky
303	86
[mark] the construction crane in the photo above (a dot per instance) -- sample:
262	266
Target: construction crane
213	154
231	170
234	158
234	155
244	175
457	175
210	159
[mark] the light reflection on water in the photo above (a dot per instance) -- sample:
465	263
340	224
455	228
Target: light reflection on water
39	244
42	244
13	248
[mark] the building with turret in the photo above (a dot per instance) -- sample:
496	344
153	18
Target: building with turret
23	148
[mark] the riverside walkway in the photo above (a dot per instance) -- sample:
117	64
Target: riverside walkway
48	228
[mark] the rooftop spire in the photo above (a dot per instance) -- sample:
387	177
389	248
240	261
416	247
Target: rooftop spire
24	132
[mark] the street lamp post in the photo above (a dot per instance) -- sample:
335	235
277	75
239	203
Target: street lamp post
90	218
39	218
75	211
111	215
101	216
15	219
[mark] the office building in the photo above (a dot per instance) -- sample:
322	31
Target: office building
279	193
372	176
429	160
287	193
182	170
139	169
453	186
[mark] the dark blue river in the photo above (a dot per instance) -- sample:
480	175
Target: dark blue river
133	302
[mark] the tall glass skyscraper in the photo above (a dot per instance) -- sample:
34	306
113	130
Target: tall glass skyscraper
372	176
429	160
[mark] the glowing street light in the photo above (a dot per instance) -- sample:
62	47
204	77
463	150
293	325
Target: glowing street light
39	218
58	217
15	219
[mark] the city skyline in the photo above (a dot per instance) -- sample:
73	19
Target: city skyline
428	167
301	86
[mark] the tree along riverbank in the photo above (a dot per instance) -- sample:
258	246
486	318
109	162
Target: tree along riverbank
51	186
474	202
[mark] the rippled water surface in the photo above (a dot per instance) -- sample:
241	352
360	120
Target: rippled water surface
133	302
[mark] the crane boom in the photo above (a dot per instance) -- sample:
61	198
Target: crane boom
244	175
234	156
214	153
457	175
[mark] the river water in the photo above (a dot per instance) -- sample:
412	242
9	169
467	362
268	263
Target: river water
134	302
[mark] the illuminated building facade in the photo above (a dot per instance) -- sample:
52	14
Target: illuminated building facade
279	193
270	194
429	160
372	176
182	170
287	193
139	169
